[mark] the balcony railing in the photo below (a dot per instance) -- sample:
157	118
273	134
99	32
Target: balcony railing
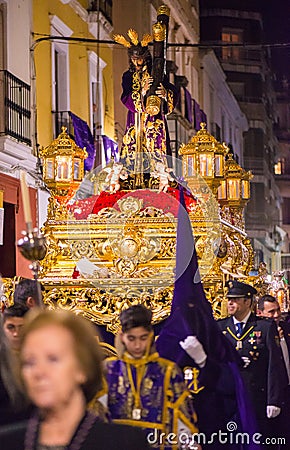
61	119
285	260
283	177
258	166
249	99
15	111
241	55
104	6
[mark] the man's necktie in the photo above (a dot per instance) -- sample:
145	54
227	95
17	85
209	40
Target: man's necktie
240	326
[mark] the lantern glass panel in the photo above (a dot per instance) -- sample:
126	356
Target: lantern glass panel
49	174
190	168
206	165
245	189
233	189
222	191
77	169
219	165
63	168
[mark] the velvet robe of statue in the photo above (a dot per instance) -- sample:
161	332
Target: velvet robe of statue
155	137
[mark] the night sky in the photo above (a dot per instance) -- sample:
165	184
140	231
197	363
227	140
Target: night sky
277	29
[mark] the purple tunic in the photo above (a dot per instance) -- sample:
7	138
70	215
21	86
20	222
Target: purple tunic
153	387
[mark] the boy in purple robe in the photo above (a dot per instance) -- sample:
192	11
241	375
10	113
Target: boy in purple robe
147	391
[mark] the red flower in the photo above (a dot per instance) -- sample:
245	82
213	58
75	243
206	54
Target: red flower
168	201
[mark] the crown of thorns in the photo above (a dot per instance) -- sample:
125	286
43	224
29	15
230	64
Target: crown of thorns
133	35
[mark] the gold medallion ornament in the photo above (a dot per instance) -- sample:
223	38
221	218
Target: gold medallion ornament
159	31
240	339
153	105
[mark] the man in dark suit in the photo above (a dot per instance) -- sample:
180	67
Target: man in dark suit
268	307
258	344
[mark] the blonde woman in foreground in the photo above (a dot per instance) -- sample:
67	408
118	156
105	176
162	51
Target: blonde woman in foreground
60	370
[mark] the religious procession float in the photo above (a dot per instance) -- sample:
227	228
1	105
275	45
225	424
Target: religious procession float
110	235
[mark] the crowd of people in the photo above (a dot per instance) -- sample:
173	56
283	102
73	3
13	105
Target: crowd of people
52	369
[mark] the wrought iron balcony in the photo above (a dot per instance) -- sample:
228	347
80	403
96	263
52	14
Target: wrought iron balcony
104	6
15	113
61	119
238	54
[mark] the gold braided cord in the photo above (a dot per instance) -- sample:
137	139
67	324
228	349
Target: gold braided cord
121	40
170	104
133	35
146	39
136	92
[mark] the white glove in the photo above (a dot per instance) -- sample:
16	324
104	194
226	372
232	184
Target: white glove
246	361
194	349
273	411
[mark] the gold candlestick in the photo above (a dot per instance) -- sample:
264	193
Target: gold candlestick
26	201
33	247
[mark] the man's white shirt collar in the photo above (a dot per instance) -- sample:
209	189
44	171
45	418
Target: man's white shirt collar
245	319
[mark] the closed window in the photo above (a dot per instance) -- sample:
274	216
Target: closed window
230	38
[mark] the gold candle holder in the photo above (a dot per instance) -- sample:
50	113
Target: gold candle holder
33	247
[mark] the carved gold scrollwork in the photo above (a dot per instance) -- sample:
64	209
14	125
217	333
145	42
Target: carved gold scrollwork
167	249
104	307
80	249
126	267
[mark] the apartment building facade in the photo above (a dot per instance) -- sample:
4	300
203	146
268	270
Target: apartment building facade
45	75
236	31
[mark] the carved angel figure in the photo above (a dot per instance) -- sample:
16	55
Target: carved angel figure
115	173
163	173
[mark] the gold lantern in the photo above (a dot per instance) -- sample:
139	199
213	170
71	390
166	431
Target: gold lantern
204	156
233	195
234	190
203	167
63	167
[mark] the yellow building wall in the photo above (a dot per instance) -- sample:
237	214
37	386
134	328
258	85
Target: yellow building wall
78	67
108	94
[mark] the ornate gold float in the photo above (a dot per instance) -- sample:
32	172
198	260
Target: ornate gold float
128	237
124	241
